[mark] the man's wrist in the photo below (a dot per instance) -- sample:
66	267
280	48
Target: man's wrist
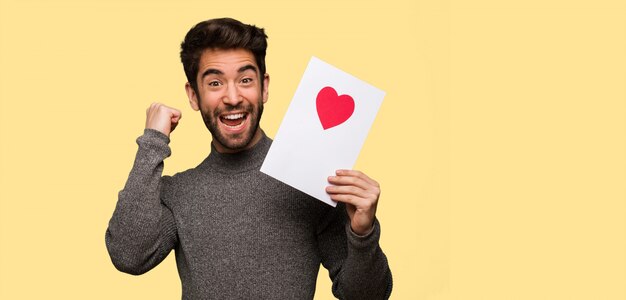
366	232
363	233
157	134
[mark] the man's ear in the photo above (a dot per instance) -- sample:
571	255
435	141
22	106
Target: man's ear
193	97
266	86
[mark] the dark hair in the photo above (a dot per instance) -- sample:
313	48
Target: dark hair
223	33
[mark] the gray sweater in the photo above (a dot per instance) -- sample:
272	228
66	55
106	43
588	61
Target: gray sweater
238	233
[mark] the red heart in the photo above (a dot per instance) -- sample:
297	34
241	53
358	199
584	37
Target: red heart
333	109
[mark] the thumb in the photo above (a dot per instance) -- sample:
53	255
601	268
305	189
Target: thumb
176	116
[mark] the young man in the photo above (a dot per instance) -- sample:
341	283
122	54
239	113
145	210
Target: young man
236	232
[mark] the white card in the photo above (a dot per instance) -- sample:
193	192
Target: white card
324	129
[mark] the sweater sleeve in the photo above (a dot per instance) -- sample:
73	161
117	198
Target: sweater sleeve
356	264
142	230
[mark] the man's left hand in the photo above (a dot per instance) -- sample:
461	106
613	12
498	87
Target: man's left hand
360	194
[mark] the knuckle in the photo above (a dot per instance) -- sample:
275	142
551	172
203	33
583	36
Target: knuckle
376	190
353	189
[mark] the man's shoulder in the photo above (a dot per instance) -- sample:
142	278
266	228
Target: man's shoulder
180	178
172	185
181	188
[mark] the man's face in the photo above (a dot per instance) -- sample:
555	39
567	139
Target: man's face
230	97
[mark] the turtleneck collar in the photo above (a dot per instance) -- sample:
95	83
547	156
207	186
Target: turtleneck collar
239	162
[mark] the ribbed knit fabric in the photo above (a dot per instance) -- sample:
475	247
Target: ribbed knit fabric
238	233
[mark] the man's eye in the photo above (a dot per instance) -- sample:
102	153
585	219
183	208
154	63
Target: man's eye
214	83
246	80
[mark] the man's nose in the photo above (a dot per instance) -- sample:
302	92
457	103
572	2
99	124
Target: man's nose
232	97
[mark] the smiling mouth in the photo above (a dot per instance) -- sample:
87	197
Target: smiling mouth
233	121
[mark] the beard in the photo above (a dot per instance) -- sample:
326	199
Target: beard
234	142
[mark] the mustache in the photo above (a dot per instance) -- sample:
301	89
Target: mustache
239	107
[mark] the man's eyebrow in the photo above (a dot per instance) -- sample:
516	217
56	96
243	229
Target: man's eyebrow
212	71
218	72
247	67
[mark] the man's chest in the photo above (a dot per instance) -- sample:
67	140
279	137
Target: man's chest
244	209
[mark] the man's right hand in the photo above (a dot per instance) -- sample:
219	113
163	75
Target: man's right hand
162	118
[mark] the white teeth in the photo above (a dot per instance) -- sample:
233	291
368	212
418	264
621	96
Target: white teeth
233	117
234	127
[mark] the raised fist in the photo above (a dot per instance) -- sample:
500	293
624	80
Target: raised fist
162	118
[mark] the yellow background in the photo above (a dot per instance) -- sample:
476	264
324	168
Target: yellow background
500	146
